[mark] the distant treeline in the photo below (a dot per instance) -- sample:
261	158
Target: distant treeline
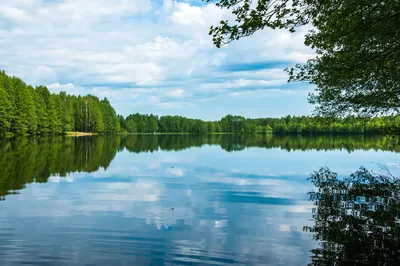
28	110
34	110
138	123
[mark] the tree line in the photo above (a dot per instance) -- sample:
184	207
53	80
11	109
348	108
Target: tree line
143	123
34	110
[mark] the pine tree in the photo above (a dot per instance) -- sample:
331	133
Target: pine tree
109	117
5	111
95	116
25	112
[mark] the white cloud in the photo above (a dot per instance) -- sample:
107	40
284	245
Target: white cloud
176	93
44	74
299	56
110	48
187	14
268	92
167	4
154	99
60	87
133	73
14	13
246	82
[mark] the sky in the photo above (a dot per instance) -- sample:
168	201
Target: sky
152	56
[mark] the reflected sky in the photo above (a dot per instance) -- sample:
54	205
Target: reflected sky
195	206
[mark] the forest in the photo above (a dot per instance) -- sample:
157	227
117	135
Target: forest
28	110
142	123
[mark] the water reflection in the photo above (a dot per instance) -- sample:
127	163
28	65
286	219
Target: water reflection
150	143
27	160
150	200
357	219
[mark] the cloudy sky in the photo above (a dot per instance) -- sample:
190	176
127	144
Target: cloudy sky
151	56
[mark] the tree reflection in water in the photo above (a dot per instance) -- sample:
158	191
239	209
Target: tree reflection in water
356	219
26	160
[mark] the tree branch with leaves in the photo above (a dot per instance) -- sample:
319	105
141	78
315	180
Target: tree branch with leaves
356	67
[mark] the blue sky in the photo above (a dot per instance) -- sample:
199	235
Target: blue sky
152	57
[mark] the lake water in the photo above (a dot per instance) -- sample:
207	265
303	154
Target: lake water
170	200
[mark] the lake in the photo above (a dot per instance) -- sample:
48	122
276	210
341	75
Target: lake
185	200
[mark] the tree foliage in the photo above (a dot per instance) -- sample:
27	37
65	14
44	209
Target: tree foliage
28	110
138	123
5	111
357	51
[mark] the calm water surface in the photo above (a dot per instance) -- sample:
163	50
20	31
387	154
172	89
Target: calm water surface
169	200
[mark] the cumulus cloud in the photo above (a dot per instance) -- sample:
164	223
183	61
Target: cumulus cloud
57	87
187	14
145	56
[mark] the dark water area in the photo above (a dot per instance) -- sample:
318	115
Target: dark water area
199	200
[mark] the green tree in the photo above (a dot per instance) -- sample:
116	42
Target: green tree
80	114
110	120
65	111
43	123
48	115
121	123
211	127
24	119
153	123
55	114
95	116
5	111
28	110
355	68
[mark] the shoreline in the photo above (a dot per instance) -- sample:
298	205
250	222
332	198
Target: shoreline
79	134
